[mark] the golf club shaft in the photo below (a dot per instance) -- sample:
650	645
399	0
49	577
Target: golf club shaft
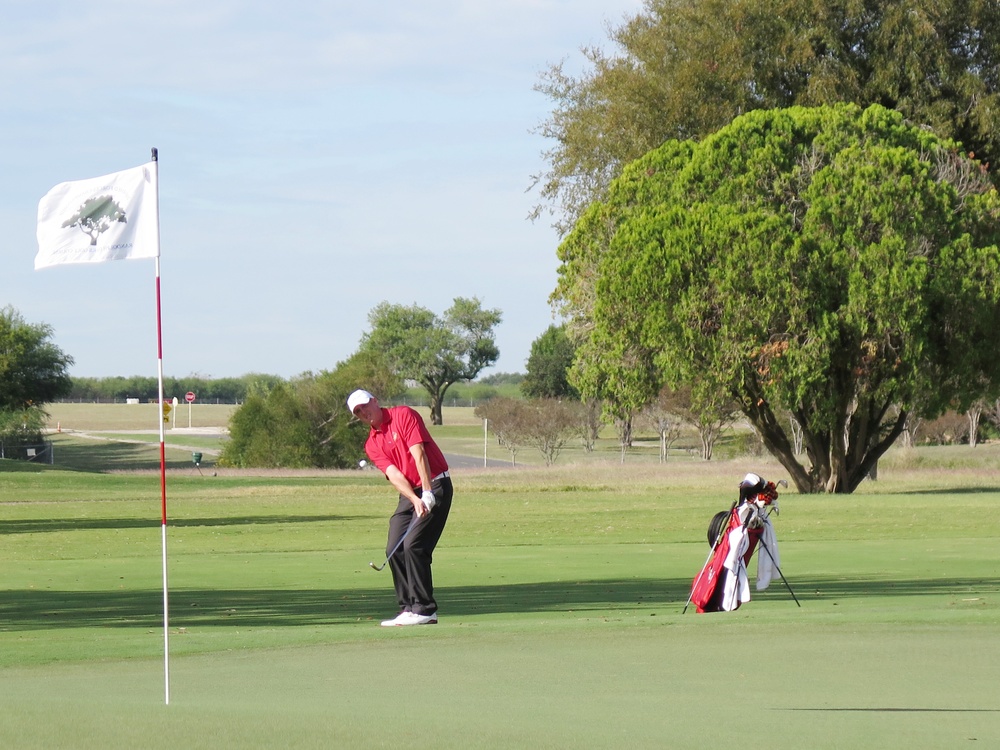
395	549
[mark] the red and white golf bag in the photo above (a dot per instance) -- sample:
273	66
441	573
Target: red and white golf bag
723	584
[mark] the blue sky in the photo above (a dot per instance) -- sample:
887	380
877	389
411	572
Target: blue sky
315	159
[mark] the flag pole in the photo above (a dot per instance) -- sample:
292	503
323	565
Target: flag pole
163	453
128	220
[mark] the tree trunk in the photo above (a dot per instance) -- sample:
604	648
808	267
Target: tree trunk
839	459
796	434
975	412
436	391
708	435
776	442
436	410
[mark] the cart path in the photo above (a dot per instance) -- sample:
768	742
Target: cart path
109	436
455	461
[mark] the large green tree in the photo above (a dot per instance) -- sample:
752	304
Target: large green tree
435	352
836	264
33	371
682	69
548	366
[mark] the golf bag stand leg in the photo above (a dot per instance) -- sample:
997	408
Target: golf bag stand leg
784	580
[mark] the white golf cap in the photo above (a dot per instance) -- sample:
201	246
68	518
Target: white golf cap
751	480
358	398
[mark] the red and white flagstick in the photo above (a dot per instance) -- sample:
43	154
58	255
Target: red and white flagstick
163	452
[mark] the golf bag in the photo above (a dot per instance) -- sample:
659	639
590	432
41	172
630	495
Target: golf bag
722	584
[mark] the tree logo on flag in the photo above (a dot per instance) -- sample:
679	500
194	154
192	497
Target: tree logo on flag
96	216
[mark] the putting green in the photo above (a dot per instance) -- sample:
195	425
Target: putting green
545	682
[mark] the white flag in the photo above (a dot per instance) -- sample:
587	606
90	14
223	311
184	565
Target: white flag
105	218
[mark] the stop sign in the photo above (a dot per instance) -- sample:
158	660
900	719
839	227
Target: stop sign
189	396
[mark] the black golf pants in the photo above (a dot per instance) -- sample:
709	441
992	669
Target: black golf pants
411	565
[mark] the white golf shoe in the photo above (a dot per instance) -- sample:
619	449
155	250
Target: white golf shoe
410	618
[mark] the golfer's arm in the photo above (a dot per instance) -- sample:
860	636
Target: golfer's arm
423	465
398	480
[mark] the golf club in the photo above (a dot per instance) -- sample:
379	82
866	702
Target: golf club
395	549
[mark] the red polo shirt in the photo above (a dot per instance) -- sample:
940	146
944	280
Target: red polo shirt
389	445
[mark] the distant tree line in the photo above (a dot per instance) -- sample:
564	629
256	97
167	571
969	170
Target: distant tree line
234	390
207	390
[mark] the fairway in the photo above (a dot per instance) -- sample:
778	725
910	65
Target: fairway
561	595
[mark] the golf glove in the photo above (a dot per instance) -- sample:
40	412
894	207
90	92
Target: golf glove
428	500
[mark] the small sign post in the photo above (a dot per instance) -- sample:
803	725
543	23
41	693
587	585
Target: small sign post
189	397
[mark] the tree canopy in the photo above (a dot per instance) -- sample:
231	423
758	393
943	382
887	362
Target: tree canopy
33	370
834	265
548	366
435	352
682	69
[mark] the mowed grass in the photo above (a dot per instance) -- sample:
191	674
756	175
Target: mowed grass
561	594
125	417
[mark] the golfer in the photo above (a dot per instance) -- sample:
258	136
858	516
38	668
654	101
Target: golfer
402	448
